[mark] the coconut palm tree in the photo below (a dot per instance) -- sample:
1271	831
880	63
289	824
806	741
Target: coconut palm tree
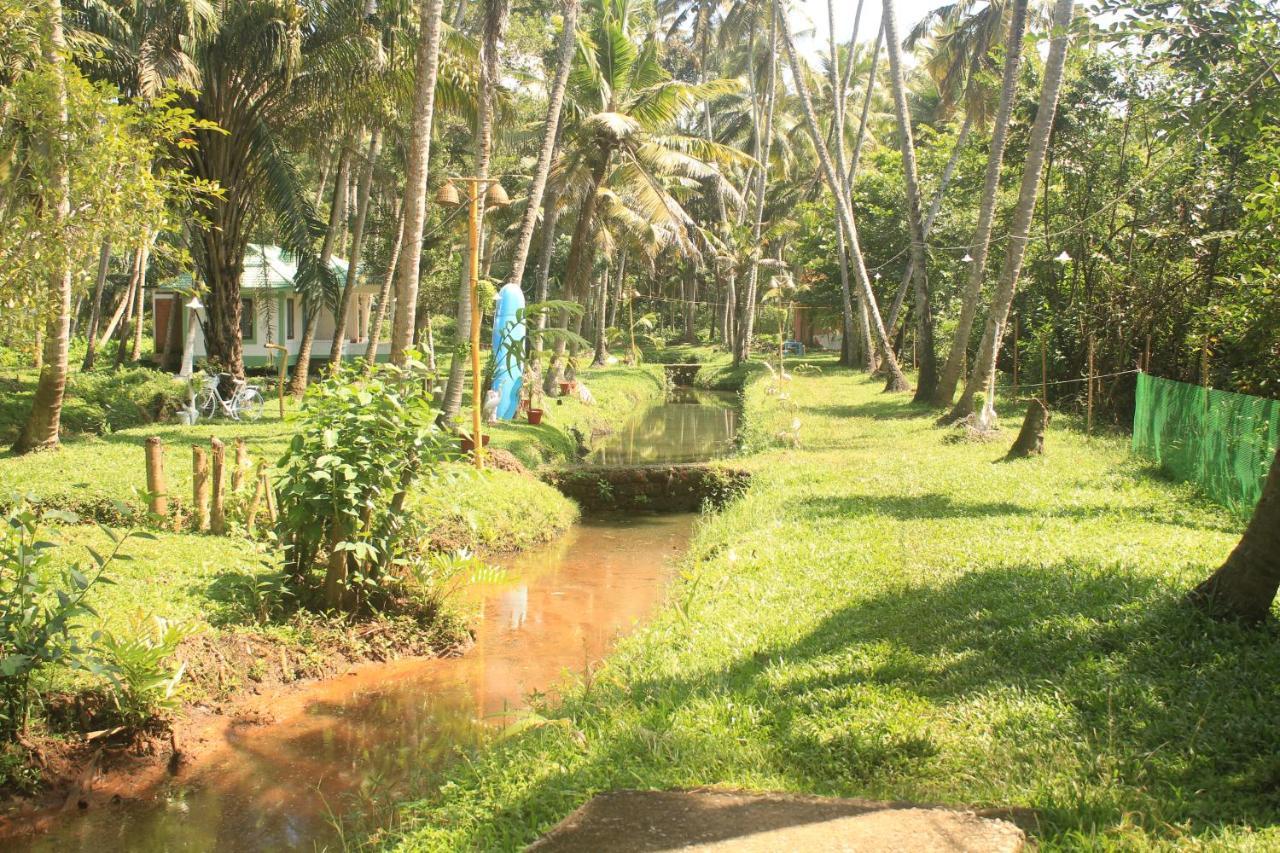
927	361
44	421
427	68
550	135
984	367
981	244
625	106
897	381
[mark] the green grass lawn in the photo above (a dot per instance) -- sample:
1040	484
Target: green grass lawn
888	615
92	473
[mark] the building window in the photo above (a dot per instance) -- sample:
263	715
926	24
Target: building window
247	318
288	317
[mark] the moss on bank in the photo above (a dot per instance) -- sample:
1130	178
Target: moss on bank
888	615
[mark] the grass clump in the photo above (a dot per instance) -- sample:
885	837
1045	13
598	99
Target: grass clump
887	615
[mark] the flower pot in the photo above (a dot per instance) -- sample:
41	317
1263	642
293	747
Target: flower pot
535	416
469	444
565	388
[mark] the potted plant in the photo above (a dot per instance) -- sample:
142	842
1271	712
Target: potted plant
469	443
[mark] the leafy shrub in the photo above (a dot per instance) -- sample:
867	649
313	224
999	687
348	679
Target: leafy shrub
439	576
111	400
137	665
363	441
40	612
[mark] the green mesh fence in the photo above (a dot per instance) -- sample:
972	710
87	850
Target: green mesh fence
1223	441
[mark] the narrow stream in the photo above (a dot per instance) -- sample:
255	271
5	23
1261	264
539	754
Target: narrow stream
337	746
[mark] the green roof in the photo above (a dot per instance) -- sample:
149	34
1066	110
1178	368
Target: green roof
265	268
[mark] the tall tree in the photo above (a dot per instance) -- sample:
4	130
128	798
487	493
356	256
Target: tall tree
44	421
984	368
364	191
427	68
926	358
1244	587
897	381
550	134
495	24
981	244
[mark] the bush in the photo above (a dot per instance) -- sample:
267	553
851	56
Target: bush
40	613
363	441
137	662
106	401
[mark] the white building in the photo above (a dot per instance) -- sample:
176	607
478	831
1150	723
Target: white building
271	311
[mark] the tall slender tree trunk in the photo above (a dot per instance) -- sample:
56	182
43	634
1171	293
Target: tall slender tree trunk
838	98
495	24
987	207
764	145
95	307
130	303
1244	587
313	306
427	65
984	366
45	419
926	361
898	382
870	361
140	305
550	134
384	295
363	192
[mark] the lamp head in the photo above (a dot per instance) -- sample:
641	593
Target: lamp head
195	304
447	195
496	196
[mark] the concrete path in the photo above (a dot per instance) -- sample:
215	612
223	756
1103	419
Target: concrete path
713	820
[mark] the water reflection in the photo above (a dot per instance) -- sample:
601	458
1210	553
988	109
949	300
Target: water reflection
383	731
690	426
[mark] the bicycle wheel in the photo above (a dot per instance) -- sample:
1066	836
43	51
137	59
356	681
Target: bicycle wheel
206	403
251	404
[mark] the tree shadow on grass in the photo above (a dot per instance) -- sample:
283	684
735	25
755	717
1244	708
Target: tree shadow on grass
889	409
1152	714
904	507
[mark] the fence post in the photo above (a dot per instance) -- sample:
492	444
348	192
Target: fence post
1089	395
200	487
1015	358
218	515
271	496
259	490
1044	370
242	465
159	501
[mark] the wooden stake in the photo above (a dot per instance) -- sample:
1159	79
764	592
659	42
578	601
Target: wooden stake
271	496
242	465
259	491
159	500
1089	398
218	515
1044	370
1015	358
200	487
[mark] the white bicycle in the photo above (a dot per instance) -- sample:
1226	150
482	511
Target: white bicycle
245	402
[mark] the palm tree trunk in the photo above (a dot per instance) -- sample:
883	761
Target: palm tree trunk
550	134
95	308
581	256
926	359
45	419
837	94
987	207
1244	587
313	306
550	218
897	382
984	367
129	304
870	362
427	63
764	144
384	295
363	191
601	341
495	23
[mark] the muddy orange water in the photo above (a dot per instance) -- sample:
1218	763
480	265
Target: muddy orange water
348	744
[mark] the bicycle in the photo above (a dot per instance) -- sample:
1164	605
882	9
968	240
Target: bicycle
245	402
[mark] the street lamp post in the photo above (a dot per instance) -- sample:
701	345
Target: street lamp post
491	190
189	345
